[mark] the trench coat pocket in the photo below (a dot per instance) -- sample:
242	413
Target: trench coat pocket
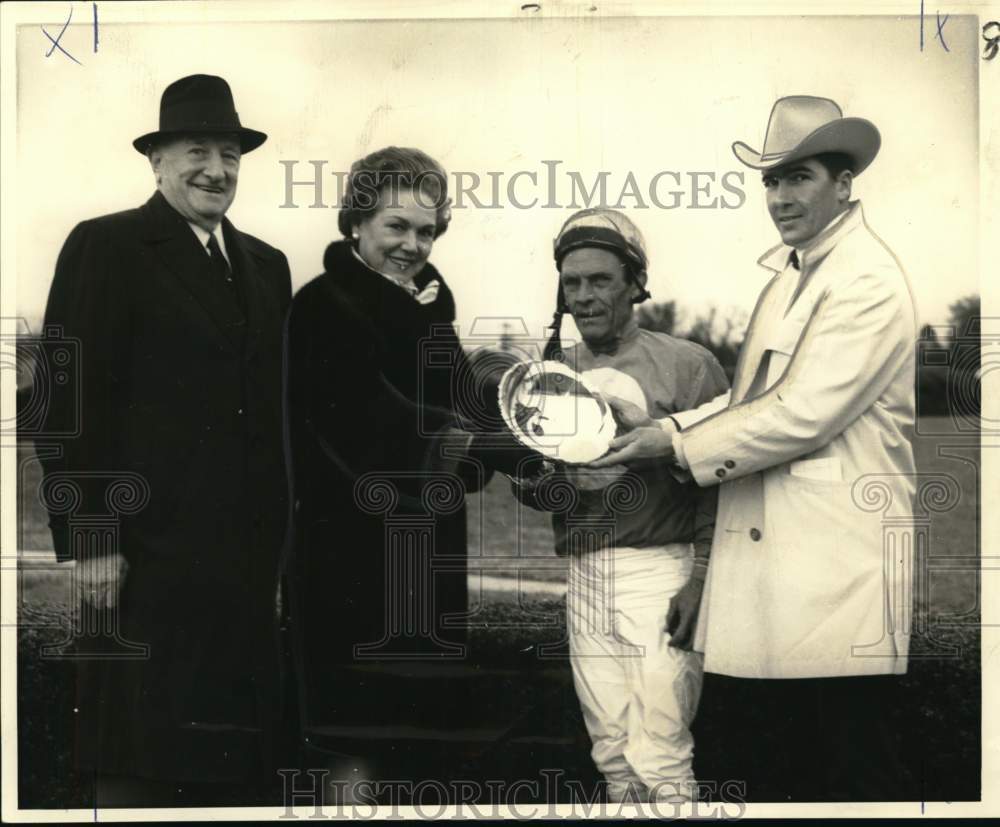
822	469
835	573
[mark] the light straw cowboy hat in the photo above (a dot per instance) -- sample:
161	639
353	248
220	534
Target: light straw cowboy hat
801	126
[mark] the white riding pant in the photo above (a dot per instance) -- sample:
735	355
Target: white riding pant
638	694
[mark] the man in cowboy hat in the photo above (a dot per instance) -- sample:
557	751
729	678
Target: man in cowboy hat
811	450
629	538
179	319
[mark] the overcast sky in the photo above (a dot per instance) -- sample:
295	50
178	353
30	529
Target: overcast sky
639	96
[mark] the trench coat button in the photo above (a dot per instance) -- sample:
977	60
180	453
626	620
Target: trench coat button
239	411
755	534
720	472
729	463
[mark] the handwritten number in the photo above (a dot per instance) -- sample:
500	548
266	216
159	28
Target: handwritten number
992	40
95	27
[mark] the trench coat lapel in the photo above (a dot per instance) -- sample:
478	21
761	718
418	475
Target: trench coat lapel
766	314
175	245
818	278
776	303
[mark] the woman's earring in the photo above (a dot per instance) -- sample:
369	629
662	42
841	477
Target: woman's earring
355	235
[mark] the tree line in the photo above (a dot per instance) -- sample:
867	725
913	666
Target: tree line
948	357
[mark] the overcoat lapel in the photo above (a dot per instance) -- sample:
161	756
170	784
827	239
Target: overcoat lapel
174	244
765	314
248	272
776	303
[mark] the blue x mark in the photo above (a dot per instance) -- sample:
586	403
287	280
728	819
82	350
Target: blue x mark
55	40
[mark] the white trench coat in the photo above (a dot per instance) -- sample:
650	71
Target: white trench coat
811	568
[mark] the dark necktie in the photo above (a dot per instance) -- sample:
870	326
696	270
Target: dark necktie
793	259
219	263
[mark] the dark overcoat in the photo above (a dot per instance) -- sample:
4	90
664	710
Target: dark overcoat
380	559
178	393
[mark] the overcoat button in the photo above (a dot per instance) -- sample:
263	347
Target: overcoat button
755	534
729	463
720	473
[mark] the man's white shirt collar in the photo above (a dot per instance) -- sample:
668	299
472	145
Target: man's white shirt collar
801	252
777	258
203	235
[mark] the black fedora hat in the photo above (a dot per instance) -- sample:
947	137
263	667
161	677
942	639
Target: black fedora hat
200	103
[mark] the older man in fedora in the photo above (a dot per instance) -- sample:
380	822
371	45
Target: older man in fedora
179	318
805	608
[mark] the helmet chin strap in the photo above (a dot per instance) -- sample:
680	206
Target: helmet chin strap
643	295
643	292
553	347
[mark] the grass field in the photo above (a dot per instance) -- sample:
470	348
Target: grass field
506	538
938	717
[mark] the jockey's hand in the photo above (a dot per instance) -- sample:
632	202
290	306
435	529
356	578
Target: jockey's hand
628	415
682	613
